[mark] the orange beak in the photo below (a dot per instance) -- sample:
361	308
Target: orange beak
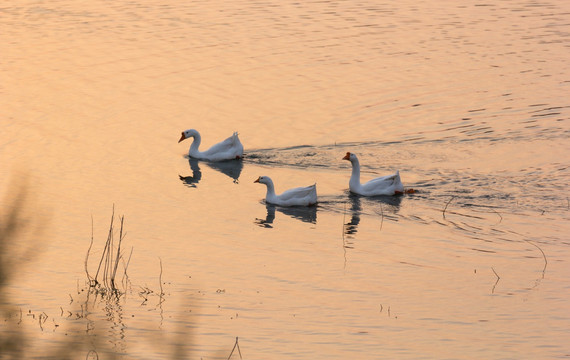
182	138
347	156
256	181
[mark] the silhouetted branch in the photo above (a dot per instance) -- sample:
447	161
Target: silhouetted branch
236	345
543	255
445	208
88	252
496	282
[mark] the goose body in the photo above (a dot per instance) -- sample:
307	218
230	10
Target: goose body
385	185
229	149
301	196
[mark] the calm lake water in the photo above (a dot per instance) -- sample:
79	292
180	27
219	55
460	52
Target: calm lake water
469	100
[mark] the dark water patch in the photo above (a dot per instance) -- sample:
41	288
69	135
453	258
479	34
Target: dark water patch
472	227
323	156
547	114
484	251
413	264
417	218
464	215
296	157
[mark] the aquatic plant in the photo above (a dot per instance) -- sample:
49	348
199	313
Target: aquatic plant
109	262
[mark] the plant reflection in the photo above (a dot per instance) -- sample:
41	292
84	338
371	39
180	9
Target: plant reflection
231	168
306	214
113	313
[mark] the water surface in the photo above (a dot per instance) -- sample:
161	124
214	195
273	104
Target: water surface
468	101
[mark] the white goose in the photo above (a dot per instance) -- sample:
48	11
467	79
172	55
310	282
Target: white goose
229	149
301	196
385	185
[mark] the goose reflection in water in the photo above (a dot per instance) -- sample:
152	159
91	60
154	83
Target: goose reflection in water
351	227
306	214
377	202
196	176
231	168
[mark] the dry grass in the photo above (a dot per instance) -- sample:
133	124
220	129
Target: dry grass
105	282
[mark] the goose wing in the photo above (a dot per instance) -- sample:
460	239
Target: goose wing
228	149
300	196
384	182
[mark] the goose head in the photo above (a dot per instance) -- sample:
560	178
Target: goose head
350	157
263	180
188	133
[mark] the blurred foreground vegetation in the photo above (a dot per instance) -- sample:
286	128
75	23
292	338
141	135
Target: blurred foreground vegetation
20	235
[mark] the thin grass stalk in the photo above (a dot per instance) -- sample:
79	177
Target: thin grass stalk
236	345
116	265
106	245
125	278
106	253
160	278
447	204
109	260
89	278
109	271
543	255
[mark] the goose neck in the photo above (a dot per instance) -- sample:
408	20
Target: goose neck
354	183
195	143
355	168
270	188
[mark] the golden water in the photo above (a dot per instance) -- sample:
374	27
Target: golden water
468	100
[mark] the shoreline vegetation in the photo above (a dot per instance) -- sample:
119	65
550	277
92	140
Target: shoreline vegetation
79	323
